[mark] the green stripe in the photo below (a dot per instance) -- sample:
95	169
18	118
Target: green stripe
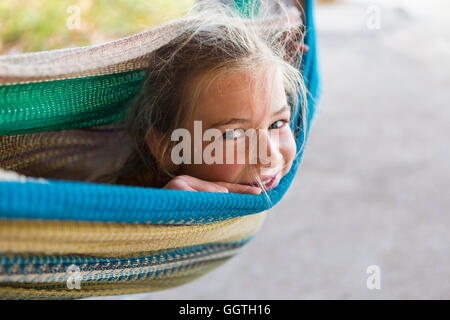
67	104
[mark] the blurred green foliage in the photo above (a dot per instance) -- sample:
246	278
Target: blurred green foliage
35	25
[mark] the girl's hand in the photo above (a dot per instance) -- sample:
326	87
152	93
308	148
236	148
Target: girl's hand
188	183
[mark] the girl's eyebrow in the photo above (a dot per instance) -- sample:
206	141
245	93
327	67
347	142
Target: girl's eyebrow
229	121
240	120
281	110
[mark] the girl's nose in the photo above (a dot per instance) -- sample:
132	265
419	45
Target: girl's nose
269	156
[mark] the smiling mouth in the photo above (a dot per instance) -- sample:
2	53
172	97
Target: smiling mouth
268	183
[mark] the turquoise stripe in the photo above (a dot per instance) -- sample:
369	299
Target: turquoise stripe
247	8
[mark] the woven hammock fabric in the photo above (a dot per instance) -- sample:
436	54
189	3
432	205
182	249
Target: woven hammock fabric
61	116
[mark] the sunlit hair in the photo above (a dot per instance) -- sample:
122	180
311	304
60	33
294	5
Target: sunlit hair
216	39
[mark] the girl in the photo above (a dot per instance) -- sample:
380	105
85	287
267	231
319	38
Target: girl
228	74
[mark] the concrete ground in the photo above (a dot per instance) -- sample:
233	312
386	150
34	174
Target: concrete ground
374	185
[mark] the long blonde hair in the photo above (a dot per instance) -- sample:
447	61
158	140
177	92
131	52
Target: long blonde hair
216	39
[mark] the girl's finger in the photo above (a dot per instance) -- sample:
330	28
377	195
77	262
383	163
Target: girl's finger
178	184
241	188
304	48
189	183
202	185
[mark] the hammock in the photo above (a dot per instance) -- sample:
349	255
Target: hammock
59	111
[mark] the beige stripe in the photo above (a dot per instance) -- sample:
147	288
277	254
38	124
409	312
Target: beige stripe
117	239
133	64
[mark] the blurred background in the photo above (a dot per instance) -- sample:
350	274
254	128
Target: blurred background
36	25
374	184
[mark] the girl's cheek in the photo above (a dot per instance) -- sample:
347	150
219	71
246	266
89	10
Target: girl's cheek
287	147
229	170
237	163
216	172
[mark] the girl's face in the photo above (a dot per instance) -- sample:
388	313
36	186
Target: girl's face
234	103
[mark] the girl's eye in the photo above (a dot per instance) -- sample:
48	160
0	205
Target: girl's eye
278	124
231	134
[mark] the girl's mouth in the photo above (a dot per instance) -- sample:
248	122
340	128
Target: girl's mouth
268	183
